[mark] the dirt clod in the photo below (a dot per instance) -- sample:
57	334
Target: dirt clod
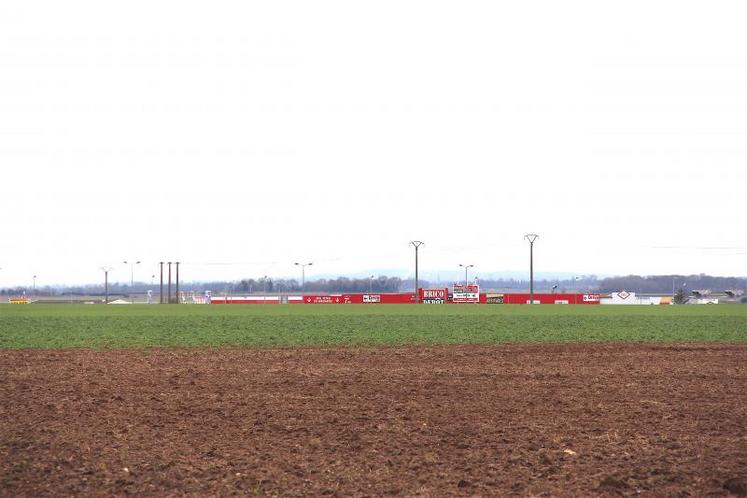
736	486
612	483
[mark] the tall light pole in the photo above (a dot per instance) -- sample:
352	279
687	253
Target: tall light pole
106	270
303	273
264	284
684	284
160	295
132	271
531	237
465	274
416	244
370	284
169	296
33	286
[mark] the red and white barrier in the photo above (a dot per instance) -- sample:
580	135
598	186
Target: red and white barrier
427	296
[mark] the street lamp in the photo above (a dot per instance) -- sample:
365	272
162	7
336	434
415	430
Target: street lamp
33	286
684	284
576	284
531	237
132	271
370	284
303	273
264	284
106	270
416	244
465	274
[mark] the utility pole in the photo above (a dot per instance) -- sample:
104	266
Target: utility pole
106	270
466	280
303	273
416	244
169	263
177	282
531	237
160	295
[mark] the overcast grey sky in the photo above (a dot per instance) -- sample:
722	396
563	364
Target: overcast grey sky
263	133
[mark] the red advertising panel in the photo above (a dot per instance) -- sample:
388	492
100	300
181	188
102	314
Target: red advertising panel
466	294
404	298
491	298
334	299
244	300
434	296
592	298
552	298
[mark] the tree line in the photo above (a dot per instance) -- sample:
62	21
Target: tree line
656	284
340	284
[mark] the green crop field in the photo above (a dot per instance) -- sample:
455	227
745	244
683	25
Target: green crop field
94	326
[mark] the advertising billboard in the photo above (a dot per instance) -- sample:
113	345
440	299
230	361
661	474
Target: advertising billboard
493	298
466	294
434	296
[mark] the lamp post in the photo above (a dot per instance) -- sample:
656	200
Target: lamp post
416	244
160	296
370	284
466	282
578	283
33	286
106	270
531	237
264	284
684	284
303	273
132	271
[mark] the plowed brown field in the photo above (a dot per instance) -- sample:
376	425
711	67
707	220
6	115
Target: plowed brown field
569	420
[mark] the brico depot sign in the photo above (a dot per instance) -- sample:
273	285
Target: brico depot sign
371	298
592	298
466	294
434	296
